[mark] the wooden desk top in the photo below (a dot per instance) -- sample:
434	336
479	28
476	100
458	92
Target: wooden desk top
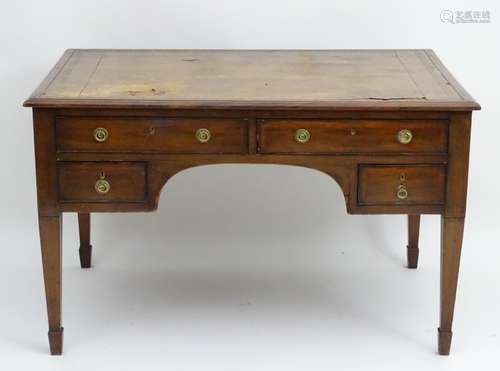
252	79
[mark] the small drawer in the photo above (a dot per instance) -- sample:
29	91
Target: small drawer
102	182
403	184
151	135
352	136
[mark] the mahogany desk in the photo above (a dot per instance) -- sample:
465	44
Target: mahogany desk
391	127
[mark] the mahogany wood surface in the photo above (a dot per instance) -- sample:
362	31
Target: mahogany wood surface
352	136
378	184
77	181
412	249
85	249
152	105
51	241
160	135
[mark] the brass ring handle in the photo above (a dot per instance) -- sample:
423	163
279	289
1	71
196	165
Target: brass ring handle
302	136
402	192
101	135
405	136
102	186
203	135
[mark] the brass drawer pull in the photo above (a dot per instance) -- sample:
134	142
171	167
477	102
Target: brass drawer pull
302	136
203	135
402	192
102	186
405	136
101	135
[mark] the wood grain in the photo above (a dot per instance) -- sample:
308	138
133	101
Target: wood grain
77	182
412	249
378	184
85	250
352	136
147	134
45	162
452	223
458	168
51	241
451	247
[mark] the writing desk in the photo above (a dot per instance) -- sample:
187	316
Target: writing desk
390	127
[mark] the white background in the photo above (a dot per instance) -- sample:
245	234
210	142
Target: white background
247	267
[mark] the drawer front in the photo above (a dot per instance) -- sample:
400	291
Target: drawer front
352	136
102	182
163	135
404	184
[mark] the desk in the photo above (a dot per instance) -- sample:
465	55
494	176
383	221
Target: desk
390	127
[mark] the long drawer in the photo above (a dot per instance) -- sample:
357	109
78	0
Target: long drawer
302	136
150	134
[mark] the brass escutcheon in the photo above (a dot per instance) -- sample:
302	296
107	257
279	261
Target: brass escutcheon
402	192
302	136
405	136
102	186
100	135
203	135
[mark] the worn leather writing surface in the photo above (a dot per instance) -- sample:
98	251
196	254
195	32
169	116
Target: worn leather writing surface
252	78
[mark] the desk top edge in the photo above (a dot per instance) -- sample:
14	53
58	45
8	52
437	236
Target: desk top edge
464	103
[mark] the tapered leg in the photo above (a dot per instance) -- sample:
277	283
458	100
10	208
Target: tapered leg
85	246
412	248
452	222
50	238
451	246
